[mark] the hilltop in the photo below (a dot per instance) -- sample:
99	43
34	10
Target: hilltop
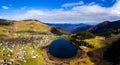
22	42
24	28
106	28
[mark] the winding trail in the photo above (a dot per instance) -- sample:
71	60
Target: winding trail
83	55
48	60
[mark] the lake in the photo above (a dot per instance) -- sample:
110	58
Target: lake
62	48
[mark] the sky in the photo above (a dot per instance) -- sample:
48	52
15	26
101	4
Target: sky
61	11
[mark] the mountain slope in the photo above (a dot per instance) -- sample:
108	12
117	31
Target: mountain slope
82	29
106	28
112	53
67	27
15	29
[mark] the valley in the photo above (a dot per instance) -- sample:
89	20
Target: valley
28	42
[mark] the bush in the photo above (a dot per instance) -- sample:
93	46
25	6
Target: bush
79	38
82	43
83	35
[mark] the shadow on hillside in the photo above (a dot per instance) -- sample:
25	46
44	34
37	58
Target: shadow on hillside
110	54
56	31
96	56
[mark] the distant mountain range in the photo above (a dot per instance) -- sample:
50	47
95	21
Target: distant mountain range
82	29
105	28
67	27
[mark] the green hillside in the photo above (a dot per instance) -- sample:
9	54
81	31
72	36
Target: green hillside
24	28
26	43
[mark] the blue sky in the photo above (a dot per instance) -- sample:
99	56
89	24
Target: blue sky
61	11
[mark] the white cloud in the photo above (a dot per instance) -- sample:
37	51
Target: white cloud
73	4
5	7
1	17
84	14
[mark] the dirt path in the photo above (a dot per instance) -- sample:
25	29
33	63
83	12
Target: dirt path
83	55
48	60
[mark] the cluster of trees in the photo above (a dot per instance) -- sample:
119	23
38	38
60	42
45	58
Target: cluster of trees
4	22
83	35
82	43
78	39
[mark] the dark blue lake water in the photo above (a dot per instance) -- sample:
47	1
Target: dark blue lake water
62	48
